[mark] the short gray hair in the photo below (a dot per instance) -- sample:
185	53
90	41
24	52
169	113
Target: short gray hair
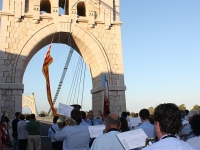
113	121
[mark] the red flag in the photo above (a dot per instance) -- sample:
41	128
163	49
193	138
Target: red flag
45	69
106	98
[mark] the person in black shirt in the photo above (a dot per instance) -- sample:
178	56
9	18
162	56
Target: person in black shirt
14	130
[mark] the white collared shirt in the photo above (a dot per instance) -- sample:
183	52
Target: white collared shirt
170	143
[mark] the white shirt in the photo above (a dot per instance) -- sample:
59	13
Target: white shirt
51	133
74	137
108	141
170	143
21	129
195	141
184	122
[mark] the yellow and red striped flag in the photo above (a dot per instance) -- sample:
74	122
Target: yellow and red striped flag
45	69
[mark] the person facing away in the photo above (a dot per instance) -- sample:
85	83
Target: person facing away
167	125
75	137
146	126
83	116
195	125
22	133
33	129
184	122
94	121
124	125
28	117
4	118
109	140
56	145
186	131
124	114
14	130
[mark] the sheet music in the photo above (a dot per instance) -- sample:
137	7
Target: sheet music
132	139
135	121
64	110
96	131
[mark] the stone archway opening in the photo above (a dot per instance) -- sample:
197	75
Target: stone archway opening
59	52
97	38
26	110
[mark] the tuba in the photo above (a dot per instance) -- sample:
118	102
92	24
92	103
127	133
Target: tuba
64	120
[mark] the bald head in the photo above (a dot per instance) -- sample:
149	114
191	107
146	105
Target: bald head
112	121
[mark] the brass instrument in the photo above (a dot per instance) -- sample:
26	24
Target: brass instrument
64	120
148	140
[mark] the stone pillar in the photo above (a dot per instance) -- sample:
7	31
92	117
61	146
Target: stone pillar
11	98
116	96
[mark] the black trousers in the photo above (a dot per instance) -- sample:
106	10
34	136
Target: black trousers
22	144
57	145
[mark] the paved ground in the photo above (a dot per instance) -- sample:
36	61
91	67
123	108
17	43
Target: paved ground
46	143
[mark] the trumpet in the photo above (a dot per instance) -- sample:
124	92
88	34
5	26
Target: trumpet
64	120
149	140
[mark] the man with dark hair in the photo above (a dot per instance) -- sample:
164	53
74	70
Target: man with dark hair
4	118
109	140
167	125
83	116
22	133
28	117
74	137
146	126
14	130
186	114
33	129
184	122
56	145
186	132
195	124
124	114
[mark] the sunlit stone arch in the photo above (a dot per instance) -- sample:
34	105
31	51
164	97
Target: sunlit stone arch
95	36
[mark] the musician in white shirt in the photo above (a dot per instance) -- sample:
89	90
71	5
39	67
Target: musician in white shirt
167	125
195	124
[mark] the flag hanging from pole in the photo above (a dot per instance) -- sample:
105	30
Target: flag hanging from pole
45	69
106	106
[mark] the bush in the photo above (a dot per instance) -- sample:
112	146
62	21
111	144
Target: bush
41	115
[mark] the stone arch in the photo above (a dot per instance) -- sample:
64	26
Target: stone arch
82	41
45	5
81	9
29	100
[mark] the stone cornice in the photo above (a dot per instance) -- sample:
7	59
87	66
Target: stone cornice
12	86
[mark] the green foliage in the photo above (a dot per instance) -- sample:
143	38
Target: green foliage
151	110
182	107
132	114
43	112
195	107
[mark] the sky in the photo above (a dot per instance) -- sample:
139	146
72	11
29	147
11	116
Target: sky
161	51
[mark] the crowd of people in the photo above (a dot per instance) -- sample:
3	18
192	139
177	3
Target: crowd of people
25	132
169	128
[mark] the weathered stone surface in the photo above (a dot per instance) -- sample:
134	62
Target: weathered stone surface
97	38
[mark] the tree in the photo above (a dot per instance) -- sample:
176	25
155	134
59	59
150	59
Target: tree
43	112
151	110
182	107
132	114
195	107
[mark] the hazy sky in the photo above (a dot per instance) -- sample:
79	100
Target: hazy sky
161	50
